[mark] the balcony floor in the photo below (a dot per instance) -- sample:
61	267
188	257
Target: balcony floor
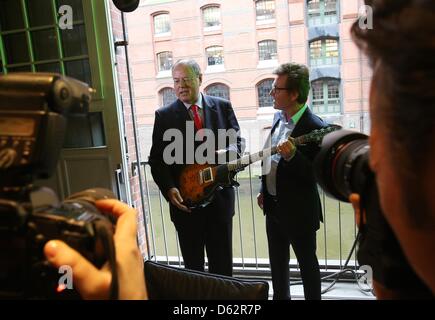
340	291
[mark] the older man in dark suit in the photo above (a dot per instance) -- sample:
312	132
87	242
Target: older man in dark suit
209	227
289	195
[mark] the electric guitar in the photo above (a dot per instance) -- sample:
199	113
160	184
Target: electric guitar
198	182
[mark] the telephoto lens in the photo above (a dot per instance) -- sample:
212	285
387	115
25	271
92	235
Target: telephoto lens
342	164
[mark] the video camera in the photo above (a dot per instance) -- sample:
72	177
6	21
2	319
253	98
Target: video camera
33	114
342	168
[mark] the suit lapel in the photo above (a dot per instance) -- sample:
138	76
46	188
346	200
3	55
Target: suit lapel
301	126
210	113
181	114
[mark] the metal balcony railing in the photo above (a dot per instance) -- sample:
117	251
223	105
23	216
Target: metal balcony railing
334	239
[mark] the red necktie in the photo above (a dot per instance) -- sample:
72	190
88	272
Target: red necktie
196	117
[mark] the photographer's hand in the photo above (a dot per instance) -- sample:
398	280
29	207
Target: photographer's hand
92	283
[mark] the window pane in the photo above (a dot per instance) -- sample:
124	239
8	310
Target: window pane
79	69
167	96
16	48
48	67
218	90
331	48
76	6
330	7
11	16
316	49
314	8
215	56
265	9
267	50
85	131
263	90
74	41
211	17
40	13
165	60
45	45
317	89
161	23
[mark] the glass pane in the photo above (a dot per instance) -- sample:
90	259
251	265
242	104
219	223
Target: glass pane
331	48
79	69
219	90
16	48
267	50
20	69
45	45
167	96
161	23
48	67
76	6
165	60
265	9
40	13
264	98
11	16
85	131
215	56
211	17
74	41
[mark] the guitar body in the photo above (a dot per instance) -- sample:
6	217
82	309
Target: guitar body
198	183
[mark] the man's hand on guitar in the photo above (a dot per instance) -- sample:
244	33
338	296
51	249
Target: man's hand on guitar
286	148
176	199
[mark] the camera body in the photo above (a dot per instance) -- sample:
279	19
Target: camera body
341	168
33	114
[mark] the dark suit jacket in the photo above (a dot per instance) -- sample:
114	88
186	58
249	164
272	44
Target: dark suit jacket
218	114
298	205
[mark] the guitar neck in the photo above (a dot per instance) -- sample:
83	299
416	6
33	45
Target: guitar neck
314	136
261	155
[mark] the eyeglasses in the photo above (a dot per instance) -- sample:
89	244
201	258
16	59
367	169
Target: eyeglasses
275	88
186	80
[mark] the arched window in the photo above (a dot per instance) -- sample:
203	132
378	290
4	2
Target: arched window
267	50
321	12
265	10
164	60
326	96
323	52
263	90
218	90
215	56
162	24
211	17
167	96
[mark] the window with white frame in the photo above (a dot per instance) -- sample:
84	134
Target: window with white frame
326	96
267	50
162	24
263	92
167	96
321	12
218	90
265	10
164	60
323	52
211	17
215	56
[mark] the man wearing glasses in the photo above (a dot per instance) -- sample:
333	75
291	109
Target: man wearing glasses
209	227
288	194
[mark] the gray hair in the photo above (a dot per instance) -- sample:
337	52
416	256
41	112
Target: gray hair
192	64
